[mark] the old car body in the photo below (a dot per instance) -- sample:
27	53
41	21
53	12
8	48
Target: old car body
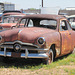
40	36
71	19
10	19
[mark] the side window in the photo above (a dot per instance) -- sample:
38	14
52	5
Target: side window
30	24
63	25
23	22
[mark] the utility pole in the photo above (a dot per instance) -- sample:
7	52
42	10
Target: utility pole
42	3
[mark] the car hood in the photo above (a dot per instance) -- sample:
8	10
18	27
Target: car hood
31	34
27	35
7	25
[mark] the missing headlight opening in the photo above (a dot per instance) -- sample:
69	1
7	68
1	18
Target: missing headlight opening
41	41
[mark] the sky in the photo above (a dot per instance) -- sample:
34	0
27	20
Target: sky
25	4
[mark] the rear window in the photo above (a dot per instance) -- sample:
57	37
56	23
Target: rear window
49	23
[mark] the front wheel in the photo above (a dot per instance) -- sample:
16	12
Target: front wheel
50	59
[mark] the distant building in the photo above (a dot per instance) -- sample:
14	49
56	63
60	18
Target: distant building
70	8
9	6
6	6
32	11
50	10
67	11
43	10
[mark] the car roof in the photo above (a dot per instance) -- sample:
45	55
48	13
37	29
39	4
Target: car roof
45	16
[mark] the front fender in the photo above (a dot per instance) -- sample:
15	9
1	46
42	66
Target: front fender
53	38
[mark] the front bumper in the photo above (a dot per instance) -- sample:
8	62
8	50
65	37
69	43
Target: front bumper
23	55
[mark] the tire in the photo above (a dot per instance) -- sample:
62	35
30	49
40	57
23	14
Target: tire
50	59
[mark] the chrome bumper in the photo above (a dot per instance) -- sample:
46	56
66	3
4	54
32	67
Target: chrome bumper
24	55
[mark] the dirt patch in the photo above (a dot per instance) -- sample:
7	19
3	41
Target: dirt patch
10	71
59	70
68	66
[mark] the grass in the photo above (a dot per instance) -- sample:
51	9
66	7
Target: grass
34	64
70	71
66	60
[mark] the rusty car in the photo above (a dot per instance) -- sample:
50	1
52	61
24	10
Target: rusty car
38	36
10	19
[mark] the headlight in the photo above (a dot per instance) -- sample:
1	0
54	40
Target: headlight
41	41
0	38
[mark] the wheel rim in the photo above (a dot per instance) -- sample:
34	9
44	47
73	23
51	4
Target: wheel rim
50	57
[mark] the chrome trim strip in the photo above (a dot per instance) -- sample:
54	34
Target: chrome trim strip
23	48
35	55
26	53
29	49
21	43
5	51
7	46
37	49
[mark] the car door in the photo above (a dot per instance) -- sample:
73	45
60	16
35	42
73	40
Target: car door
66	38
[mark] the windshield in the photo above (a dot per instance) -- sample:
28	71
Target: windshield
11	19
37	22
